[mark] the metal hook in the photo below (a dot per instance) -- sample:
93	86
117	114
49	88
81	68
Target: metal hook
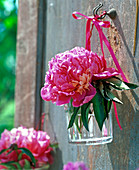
111	13
95	10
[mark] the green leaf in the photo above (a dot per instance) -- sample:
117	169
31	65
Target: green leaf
72	119
3	150
107	104
27	164
13	164
84	114
102	88
131	85
70	106
27	152
10	167
13	146
99	109
77	123
17	165
43	167
115	87
9	152
112	97
54	145
20	156
117	82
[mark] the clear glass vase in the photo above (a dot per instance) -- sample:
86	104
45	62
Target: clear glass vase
92	137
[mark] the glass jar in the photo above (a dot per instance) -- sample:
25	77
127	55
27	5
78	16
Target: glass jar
77	134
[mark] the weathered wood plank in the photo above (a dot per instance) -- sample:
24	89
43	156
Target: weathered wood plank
26	63
40	60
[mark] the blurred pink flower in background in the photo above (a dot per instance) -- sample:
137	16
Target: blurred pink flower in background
75	166
3	167
71	74
38	142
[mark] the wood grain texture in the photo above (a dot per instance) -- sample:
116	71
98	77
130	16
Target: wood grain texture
63	33
26	63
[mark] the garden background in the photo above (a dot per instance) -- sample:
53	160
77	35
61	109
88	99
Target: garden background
8	30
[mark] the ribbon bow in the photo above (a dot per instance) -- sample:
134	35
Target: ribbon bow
98	24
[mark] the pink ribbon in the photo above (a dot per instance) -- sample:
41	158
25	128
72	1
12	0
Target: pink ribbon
116	115
98	24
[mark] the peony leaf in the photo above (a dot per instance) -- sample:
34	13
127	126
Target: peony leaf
9	152
20	156
115	87
112	97
70	106
17	165
107	104
99	109
84	114
117	82
9	166
12	165
54	145
77	123
27	152
27	164
3	150
43	167
102	88
131	85
75	109
13	146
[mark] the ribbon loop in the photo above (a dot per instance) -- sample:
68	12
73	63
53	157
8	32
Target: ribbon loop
98	24
74	14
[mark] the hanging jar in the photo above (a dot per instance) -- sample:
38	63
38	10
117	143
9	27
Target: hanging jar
78	134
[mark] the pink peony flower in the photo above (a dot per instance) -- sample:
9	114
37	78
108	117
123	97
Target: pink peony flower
2	167
38	142
75	166
71	74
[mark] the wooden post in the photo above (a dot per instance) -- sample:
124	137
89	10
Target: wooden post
30	62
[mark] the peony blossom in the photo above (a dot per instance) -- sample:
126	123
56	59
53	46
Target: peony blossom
38	142
71	74
3	167
75	166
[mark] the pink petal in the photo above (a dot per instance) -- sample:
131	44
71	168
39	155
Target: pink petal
62	99
109	72
85	97
90	94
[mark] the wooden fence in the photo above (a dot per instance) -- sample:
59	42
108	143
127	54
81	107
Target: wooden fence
45	28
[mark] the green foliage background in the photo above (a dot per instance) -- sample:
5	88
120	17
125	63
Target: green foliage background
8	30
